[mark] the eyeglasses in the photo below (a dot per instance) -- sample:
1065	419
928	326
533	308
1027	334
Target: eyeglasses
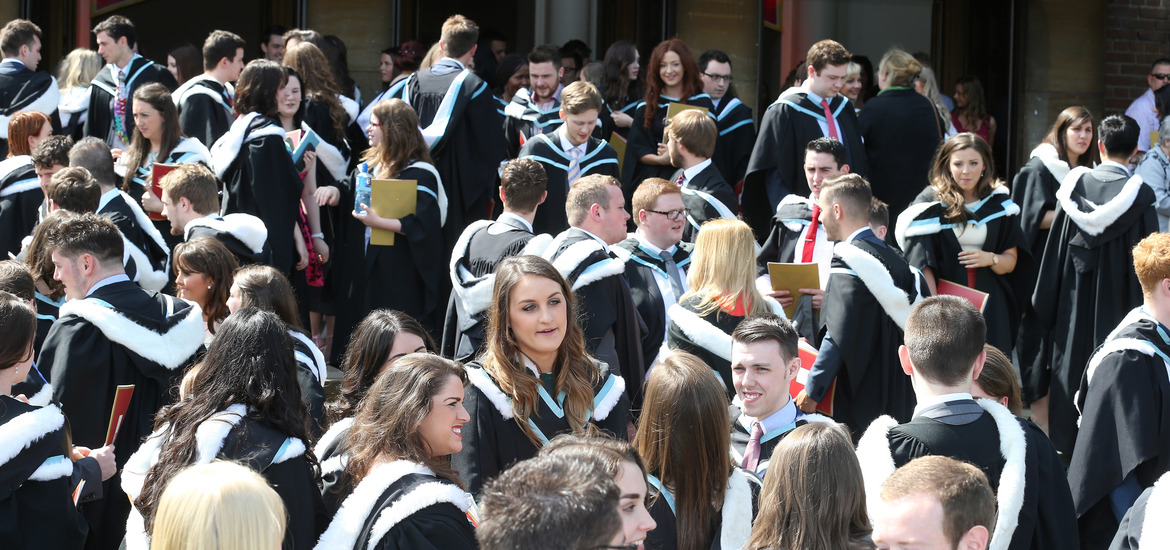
719	77
1160	76
672	215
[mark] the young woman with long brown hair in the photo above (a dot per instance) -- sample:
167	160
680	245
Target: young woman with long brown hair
400	484
818	503
967	233
18	179
699	499
621	87
244	404
157	138
535	350
673	77
203	274
405	276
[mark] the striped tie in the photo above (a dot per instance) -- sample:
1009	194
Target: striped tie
574	166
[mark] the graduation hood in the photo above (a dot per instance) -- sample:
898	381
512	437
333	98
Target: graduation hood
170	343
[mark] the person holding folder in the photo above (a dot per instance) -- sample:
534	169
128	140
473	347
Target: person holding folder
406	275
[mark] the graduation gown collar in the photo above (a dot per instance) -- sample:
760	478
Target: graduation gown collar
522	107
632	250
604	399
20	432
1051	159
797	99
437	129
332	439
928	218
1155	528
249	229
736	513
877	464
475	293
43	100
205	85
329	156
552	141
12	170
704	333
171	344
348	524
244	129
107	77
587	252
1116	343
1099	218
876	277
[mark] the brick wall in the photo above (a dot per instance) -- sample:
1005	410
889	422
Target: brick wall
1136	33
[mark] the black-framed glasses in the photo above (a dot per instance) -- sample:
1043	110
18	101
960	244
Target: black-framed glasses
1160	76
719	77
672	215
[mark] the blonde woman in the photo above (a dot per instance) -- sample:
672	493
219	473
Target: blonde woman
74	74
219	506
722	292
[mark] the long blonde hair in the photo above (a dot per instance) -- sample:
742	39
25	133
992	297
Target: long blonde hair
78	69
723	268
218	506
576	373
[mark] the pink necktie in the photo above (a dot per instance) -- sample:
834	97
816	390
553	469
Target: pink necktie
751	455
829	121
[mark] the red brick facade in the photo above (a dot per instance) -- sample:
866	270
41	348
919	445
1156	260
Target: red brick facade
1136	33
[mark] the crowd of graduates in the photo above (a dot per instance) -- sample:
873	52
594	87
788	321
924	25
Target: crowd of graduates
576	334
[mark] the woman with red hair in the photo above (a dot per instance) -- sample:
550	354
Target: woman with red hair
672	76
18	179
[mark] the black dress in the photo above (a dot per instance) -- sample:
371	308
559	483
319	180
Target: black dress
493	440
402	505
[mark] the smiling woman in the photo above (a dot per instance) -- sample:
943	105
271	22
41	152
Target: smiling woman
535	350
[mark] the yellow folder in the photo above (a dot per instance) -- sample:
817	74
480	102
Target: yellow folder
392	199
792	277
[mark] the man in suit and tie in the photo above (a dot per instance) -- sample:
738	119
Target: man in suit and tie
656	259
690	141
22	87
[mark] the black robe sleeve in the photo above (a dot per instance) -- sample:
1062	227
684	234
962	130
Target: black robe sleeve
77	354
264	182
1047	514
436	527
293	481
203	119
313	394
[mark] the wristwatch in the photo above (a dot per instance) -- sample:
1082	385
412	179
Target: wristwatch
994	259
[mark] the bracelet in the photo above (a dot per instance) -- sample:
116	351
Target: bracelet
317	236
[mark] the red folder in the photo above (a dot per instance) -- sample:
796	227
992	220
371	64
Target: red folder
157	171
976	297
121	402
808	356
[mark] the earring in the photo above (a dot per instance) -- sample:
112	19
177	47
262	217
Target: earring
208	287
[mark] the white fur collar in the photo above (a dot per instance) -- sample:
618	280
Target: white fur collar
193	85
249	229
195	147
227	147
609	400
144	222
902	225
790	200
318	359
329	155
1097	220
701	332
145	274
1051	159
879	282
1155	528
54	467
877	464
171	350
737	512
21	432
576	254
487	388
12	164
347	524
427	494
351	108
46	104
335	431
43	397
474	293
905	226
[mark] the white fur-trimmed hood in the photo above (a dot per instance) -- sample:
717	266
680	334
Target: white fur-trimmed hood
873	274
45	104
227	147
335	431
1051	159
603	404
171	349
21	432
1155	528
572	257
249	229
1097	220
737	512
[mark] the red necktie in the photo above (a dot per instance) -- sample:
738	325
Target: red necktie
829	121
810	238
751	455
682	178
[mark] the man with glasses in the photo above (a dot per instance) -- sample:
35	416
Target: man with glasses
737	132
656	258
1143	109
690	140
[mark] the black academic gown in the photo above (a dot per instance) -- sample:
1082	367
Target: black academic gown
331	451
599	158
741	435
902	131
244	235
1035	509
613	329
22	89
1144	525
429	512
20	198
711	181
311	374
205	108
522	119
1086	283
405	276
865	317
493	440
707	336
737	135
644	141
1034	190
1124	430
642	269
467	151
36	504
35	386
259	178
119	335
147	250
481	247
931	243
731	525
278	457
104	89
776	167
